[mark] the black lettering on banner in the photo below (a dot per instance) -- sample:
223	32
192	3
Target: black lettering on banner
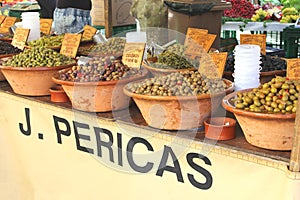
80	136
204	172
131	143
163	164
21	126
100	143
120	155
60	132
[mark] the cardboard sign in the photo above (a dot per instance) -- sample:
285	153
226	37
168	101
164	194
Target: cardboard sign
7	23
133	54
220	61
46	25
70	44
293	68
256	39
208	67
2	18
88	32
20	37
202	39
195	32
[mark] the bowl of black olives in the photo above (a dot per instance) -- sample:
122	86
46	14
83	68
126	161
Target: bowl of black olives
267	114
97	85
178	101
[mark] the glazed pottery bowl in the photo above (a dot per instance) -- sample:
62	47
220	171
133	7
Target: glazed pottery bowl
220	128
177	112
101	96
269	131
31	81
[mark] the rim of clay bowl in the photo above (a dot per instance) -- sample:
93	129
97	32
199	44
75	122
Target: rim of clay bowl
267	73
37	68
170	98
49	47
161	70
226	103
274	72
56	79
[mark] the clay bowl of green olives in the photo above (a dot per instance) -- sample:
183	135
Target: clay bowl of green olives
30	72
97	86
266	114
178	101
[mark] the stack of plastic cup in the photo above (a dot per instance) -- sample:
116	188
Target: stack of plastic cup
31	20
246	66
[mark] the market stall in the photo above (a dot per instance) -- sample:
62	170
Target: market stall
54	151
144	117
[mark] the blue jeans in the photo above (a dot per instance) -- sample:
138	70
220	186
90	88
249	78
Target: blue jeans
70	20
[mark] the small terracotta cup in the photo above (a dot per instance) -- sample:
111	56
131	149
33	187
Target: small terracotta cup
220	128
57	94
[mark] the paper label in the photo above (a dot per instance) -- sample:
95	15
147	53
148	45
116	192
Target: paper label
220	61
88	32
2	18
255	39
70	44
20	37
133	54
46	25
293	68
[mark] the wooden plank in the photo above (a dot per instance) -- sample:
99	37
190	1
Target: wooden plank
295	154
108	18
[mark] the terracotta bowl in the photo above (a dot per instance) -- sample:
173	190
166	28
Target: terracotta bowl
2	77
269	131
163	72
31	81
57	94
220	128
177	112
102	96
264	76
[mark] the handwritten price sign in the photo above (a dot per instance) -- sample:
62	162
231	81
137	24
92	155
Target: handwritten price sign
133	54
20	37
293	68
255	39
70	44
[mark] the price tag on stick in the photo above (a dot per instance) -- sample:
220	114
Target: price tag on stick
220	61
133	54
255	39
7	23
293	68
46	25
2	18
89	32
20	37
70	44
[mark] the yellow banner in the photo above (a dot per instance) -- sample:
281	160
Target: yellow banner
48	152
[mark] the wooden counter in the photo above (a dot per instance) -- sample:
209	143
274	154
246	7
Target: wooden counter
79	155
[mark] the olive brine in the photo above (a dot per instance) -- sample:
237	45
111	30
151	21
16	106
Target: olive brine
280	95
